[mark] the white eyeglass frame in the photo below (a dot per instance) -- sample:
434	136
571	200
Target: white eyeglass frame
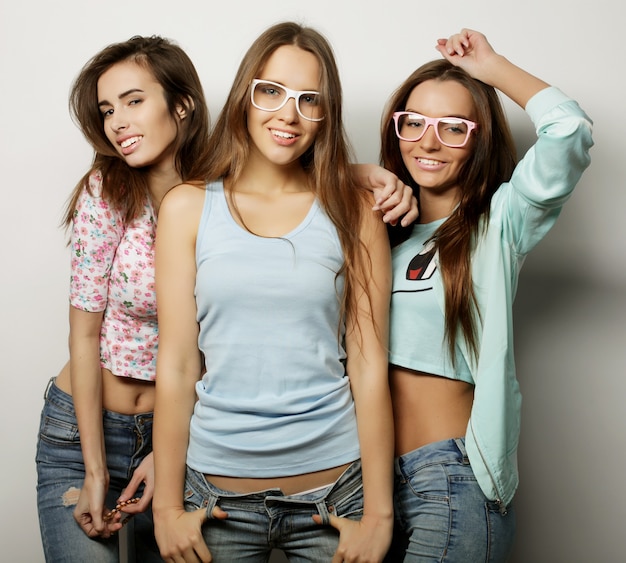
295	94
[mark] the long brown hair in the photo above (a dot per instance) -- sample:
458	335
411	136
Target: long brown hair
126	188
327	161
491	163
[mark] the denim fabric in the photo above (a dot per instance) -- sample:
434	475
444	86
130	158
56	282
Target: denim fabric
441	512
259	522
60	475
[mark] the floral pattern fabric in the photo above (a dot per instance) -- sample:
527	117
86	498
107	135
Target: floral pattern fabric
113	271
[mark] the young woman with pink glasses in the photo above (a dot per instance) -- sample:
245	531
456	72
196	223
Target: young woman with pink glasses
455	396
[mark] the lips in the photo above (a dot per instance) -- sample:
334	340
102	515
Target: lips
283	134
128	144
429	161
284	138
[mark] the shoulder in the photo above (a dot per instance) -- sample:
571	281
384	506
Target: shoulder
183	198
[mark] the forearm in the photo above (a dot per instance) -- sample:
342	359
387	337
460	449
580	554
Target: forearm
375	429
515	82
86	381
172	414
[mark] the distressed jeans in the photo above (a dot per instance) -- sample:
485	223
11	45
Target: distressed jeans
60	476
259	522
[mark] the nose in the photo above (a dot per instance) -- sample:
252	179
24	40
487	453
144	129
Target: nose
429	138
289	112
118	122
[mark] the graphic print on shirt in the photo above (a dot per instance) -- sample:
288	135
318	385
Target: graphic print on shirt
423	265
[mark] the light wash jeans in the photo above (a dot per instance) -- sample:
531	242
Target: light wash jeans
60	475
259	522
441	512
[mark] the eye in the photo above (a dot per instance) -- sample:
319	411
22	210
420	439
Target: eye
413	121
134	102
310	98
454	126
106	112
270	91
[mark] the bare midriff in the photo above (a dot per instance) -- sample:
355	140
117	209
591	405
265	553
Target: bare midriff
123	395
427	408
288	485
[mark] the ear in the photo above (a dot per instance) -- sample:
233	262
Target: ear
184	109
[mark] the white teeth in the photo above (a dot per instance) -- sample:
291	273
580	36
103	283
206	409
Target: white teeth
129	142
283	134
428	161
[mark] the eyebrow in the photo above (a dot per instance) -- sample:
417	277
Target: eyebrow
447	115
121	96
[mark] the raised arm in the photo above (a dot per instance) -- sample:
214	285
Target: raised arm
366	347
471	51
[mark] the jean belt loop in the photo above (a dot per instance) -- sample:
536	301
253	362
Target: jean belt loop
460	444
211	504
50	383
323	511
397	466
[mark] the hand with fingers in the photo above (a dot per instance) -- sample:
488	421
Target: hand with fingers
361	541
393	198
179	534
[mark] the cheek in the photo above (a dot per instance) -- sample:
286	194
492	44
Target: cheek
110	135
405	151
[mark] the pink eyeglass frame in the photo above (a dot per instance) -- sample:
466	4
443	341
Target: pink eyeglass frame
434	121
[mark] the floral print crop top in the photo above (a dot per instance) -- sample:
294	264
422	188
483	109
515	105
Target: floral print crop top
113	271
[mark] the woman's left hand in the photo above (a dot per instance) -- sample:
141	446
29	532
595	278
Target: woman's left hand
361	541
393	198
143	474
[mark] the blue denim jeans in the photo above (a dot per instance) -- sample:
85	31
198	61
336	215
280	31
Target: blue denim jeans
259	522
441	512
61	472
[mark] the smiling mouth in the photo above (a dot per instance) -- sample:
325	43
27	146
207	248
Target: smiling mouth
283	134
128	142
428	161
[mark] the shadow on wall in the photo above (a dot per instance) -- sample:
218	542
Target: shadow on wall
570	349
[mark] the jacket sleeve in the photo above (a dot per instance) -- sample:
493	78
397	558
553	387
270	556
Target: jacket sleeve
545	178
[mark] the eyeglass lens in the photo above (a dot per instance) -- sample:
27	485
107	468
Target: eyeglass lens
271	97
450	131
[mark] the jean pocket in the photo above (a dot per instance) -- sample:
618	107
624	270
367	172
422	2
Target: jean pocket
430	483
59	432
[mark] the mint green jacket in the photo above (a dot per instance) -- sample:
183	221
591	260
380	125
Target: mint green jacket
522	212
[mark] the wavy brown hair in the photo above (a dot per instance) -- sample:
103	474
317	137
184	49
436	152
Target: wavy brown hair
327	161
491	163
126	188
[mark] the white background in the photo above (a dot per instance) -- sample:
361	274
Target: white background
571	307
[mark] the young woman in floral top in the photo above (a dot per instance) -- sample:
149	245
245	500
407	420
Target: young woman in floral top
140	105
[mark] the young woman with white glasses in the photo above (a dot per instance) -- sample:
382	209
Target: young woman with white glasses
281	274
455	396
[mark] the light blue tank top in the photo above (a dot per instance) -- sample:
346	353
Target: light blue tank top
275	400
416	338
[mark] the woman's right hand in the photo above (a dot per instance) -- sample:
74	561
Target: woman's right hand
90	509
179	534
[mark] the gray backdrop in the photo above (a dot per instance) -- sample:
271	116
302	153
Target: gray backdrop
571	305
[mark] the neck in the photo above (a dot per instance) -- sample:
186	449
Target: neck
436	206
161	181
261	176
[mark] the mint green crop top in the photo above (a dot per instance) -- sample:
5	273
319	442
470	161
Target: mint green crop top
416	339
